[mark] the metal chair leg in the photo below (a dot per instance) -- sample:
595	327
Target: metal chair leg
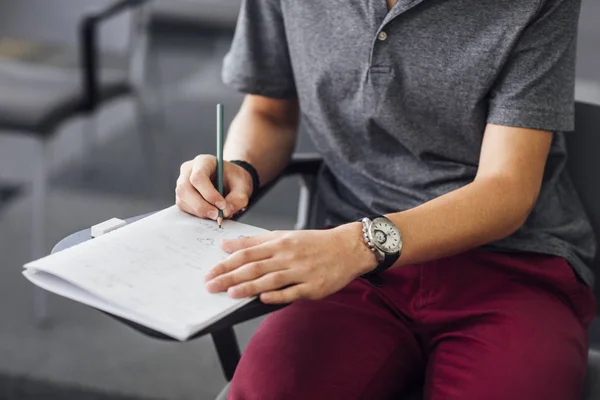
38	239
146	130
228	351
148	110
89	141
157	108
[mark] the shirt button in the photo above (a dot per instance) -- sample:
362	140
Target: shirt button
382	36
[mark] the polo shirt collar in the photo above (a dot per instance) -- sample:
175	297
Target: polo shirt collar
401	7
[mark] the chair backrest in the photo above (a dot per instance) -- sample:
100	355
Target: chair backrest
584	166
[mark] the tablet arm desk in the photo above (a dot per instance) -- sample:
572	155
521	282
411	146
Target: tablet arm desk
306	167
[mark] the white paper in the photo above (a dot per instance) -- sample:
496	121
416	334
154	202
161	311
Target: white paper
151	272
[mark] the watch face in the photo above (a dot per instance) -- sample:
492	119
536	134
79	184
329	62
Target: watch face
385	235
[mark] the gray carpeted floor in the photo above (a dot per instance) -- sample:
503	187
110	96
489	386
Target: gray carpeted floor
26	388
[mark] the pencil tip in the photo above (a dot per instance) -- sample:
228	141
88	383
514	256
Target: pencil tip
220	222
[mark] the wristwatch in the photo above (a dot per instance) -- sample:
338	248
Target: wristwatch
384	239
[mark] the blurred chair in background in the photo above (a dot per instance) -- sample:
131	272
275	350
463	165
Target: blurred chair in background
36	99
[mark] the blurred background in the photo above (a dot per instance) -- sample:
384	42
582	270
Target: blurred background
115	151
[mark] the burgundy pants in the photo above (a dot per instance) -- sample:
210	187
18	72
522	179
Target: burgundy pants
480	325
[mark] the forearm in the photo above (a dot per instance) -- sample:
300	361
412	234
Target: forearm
474	215
492	207
262	139
325	261
477	214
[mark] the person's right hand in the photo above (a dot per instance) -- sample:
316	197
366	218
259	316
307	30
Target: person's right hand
196	193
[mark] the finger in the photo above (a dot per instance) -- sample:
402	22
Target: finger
202	171
195	204
190	198
183	206
186	168
284	296
239	189
266	283
238	259
237	200
235	245
244	274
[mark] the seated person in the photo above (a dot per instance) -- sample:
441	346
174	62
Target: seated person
458	255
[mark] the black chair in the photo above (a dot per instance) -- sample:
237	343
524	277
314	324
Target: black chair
36	99
582	144
309	216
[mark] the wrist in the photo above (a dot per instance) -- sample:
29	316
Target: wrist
251	173
363	259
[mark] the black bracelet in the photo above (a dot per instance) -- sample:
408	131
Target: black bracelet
252	171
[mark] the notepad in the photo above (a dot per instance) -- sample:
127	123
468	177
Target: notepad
150	272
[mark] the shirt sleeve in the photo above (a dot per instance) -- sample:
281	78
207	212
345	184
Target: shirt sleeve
258	61
536	86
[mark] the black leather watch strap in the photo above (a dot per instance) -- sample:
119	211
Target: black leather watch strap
388	261
374	277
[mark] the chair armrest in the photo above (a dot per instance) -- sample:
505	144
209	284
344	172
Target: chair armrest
88	47
304	164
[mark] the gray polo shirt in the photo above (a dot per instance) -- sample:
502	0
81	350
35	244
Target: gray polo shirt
397	102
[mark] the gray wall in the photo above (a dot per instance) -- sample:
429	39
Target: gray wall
56	20
588	56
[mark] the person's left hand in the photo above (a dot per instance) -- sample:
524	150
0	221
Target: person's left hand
285	266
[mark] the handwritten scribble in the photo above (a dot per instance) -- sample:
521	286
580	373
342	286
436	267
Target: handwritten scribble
209	242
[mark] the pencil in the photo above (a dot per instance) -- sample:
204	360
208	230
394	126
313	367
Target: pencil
220	158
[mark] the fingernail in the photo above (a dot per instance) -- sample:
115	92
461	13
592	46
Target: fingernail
212	214
221	205
212	286
232	292
226	212
209	275
264	297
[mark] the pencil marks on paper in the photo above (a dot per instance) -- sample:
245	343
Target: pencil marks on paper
156	266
